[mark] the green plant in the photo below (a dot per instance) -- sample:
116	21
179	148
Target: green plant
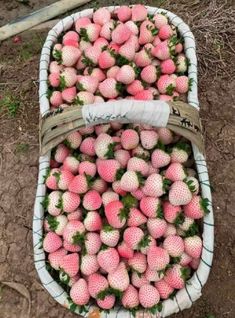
10	103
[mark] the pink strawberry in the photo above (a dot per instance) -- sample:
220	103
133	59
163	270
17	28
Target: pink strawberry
119	279
132	237
138	262
121	34
86	130
70	55
129	139
197	208
106	59
53	203
87	168
182	84
148	296
124	13
84	98
106	303
151	207
96	284
172	214
101	16
175	172
193	184
156	227
88	146
157	258
142	58
195	263
93	221
156	41
187	224
71	247
74	139
176	276
57	223
91	56
193	246
122	156
79	292
185	259
138	194
64	178
99	185
181	63
92	243
166	84
180	193
61	153
54	79
97	73
70	35
83	46
164	289
100	43
79	184
126	74
149	74
166	98
70	264
179	48
108	259
168	66
112	72
89	264
54	258
81	23
102	129
174	245
148	138
109	196
114	212
133	27
130	181
130	298
165	135
161	51
125	251
138	165
107	169
109	88
98	99
135	87
139	13
152	275
160	20
147	242
107	29
56	99
155	185
180	152
165	32
109	236
147	32
52	242
90	32
138	280
68	77
69	94
55	67
146	94
88	83
74	232
160	158
136	218
104	146
127	50
70	201
92	200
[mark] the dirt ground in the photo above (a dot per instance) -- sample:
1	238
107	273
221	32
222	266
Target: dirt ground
19	155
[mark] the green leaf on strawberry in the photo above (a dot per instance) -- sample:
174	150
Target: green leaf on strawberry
144	242
57	56
129	201
45	202
204	203
120	173
52	222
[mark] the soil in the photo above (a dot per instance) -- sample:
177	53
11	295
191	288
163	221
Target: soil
19	167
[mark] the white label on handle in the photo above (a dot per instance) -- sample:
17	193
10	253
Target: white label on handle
155	113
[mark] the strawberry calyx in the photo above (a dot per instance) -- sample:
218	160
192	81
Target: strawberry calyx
144	242
190	185
159	212
120	172
166	183
170	89
175	260
90	180
79	239
190	84
57	176
83	34
88	62
80	87
45	202
192	230
124	213
121	60
204	203
64	278
183	146
110	152
179	219
78	101
172	295
107	228
154	31
141	178
104	247
57	56
60	204
156	308
185	273
120	87
109	291
129	201
62	85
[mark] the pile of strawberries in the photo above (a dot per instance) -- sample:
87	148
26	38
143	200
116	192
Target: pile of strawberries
124	54
123	200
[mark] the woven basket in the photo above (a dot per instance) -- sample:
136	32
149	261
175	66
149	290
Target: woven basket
193	289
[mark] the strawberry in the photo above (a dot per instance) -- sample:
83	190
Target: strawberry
166	98
138	165
54	79
88	168
74	139
83	46
56	99
107	169
124	13
57	223
79	184
70	36
102	129
55	67
87	83
160	158
157	258
89	264
179	48
135	87
197	208
122	156
155	185
70	264
93	221
101	16
92	200
70	201
193	183
61	153
138	13
149	74
176	276
160	20
70	55
91	56
79	292
156	227
173	214
174	245
98	99
107	29
125	251
161	51
164	289
121	34
141	153
152	275
146	94
129	139
112	71
148	296
88	146
81	23
138	262
53	203
109	196
165	135
195	263
132	237
126	74
136	218
126	52
151	207
180	152
138	194
74	232
90	32
170	230
131	180
180	193
185	259
187	224
64	178
106	59
109	88
119	279
108	259
138	280
168	66
52	242
97	284
148	138
104	146
182	84
146	243
114	212
68	77
181	63
86	130
165	32
92	243
166	84
97	73
109	236
130	298
175	172
156	41
71	247
142	58
69	94
100	43
84	98
106	303
193	246
152	169
54	258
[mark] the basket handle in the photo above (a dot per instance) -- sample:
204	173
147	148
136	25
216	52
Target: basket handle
178	116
